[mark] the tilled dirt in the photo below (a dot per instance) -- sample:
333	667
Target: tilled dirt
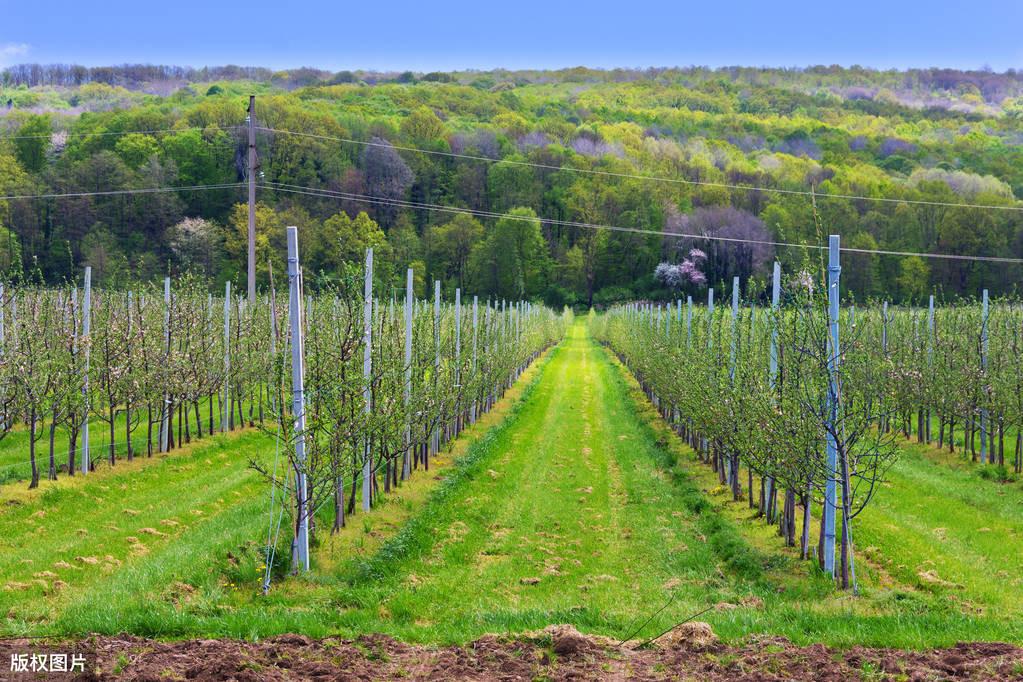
557	653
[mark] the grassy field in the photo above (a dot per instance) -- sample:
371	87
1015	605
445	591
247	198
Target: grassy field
570	503
14	446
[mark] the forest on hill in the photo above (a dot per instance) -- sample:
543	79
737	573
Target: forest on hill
494	181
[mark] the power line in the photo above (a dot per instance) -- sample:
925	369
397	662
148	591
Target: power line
111	133
116	192
372	199
310	191
637	176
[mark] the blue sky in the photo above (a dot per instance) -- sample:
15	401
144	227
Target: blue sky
485	34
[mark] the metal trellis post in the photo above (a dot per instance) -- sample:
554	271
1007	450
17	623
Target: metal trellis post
298	400
367	389
828	513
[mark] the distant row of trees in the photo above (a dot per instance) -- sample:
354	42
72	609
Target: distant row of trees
990	86
141	76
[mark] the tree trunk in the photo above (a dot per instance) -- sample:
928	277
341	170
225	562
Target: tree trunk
351	497
170	425
1001	442
32	449
1018	463
804	544
113	445
339	505
149	430
846	540
72	446
127	431
53	435
198	419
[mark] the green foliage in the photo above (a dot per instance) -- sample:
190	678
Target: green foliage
912	278
32	143
511	263
135	149
566	144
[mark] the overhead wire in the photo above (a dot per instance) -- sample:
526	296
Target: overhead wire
640	176
299	189
117	192
372	199
109	133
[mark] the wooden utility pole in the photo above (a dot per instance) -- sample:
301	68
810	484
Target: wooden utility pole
251	122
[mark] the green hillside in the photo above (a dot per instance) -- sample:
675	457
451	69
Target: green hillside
918	151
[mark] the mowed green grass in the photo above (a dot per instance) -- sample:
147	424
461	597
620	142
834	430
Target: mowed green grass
579	507
15	463
939	556
127	533
564	517
952	525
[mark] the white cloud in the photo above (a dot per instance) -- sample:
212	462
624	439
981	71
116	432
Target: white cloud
12	52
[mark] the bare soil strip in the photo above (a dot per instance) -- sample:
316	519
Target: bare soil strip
557	653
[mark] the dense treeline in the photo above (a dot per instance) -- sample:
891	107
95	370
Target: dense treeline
558	145
923	87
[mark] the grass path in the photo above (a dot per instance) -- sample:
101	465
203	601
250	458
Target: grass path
565	518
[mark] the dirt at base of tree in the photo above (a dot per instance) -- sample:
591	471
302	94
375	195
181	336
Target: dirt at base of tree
557	653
